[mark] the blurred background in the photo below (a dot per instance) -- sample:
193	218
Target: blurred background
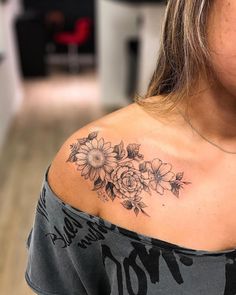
63	63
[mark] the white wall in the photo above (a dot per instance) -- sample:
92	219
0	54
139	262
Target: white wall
150	33
1	31
11	94
116	23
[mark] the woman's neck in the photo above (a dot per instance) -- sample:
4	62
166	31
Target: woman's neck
213	113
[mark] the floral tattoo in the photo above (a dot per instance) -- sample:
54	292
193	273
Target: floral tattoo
122	173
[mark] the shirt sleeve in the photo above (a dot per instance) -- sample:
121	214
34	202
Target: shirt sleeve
51	267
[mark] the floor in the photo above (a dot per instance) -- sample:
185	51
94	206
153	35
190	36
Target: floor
53	109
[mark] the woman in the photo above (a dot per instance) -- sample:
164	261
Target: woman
142	201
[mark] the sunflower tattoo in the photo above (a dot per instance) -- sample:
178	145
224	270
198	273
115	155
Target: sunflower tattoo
122	173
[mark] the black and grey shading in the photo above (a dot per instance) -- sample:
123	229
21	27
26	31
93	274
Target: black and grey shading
41	205
178	184
119	172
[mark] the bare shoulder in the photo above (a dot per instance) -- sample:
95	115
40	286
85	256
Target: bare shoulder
107	160
86	157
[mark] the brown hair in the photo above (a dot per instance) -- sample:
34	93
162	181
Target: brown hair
183	55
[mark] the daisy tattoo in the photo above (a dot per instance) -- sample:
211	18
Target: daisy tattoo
119	172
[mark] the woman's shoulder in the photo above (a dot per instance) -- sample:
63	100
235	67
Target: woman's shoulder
87	156
109	167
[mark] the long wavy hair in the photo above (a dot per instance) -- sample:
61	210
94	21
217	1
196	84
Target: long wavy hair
183	56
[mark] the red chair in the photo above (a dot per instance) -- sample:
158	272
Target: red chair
73	40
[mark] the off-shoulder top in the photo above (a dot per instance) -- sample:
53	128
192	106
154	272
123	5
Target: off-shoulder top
71	252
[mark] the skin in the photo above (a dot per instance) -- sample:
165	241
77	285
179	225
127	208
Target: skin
203	216
219	124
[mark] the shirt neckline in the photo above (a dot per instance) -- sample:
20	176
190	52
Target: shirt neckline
129	233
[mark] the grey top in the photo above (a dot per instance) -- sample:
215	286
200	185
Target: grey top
71	252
